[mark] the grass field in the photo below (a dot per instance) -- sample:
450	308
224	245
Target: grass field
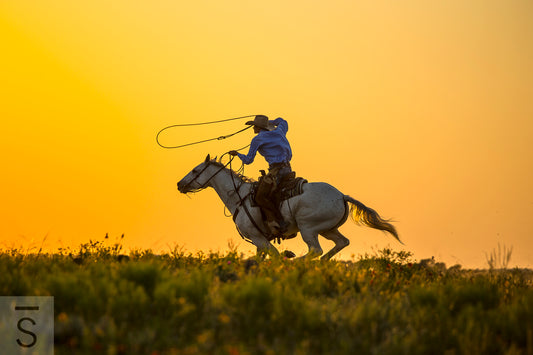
213	303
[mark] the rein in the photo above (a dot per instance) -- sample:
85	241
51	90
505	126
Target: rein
243	205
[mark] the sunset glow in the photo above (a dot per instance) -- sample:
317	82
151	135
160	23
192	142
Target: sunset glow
421	110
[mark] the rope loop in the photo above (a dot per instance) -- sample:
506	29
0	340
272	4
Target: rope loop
200	124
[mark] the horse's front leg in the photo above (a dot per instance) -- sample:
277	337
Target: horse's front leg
264	247
251	231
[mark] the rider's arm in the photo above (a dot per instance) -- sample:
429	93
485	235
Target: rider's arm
281	124
249	158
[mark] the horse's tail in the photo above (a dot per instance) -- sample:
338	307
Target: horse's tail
363	215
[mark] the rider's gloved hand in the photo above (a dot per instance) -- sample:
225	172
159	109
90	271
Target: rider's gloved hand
233	152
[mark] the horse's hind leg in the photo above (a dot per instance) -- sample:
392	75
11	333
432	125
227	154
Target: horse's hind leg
340	242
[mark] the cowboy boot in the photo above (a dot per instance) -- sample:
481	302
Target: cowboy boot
283	225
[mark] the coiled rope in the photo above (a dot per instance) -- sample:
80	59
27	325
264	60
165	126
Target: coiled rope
200	124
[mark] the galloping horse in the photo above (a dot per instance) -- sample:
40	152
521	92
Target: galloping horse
320	209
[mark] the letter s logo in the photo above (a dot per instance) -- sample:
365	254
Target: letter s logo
19	326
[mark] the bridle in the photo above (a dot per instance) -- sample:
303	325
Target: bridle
205	184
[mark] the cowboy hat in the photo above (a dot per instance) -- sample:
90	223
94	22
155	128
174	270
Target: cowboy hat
262	122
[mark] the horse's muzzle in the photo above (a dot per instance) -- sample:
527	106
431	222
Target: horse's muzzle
181	187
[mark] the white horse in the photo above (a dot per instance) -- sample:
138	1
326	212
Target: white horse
320	209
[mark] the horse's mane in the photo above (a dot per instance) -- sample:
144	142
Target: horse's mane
235	173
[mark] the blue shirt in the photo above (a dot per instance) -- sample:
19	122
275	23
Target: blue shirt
273	145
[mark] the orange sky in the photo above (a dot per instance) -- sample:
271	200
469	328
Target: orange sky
421	110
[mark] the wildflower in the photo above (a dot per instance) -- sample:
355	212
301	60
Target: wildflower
224	318
62	317
233	350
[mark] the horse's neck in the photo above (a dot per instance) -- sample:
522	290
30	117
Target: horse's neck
224	184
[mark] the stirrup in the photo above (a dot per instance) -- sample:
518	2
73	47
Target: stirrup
274	227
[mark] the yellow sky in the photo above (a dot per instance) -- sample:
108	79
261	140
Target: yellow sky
421	110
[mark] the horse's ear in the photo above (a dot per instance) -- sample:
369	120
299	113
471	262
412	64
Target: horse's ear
207	158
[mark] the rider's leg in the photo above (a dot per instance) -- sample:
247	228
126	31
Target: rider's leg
264	200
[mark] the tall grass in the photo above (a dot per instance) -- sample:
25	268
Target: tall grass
499	258
221	303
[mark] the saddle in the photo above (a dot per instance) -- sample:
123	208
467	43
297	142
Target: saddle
290	186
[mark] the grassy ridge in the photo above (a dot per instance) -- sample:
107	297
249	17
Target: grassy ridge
180	303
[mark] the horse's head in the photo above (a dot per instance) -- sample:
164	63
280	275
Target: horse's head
197	179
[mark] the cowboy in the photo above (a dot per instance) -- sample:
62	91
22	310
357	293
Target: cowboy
271	142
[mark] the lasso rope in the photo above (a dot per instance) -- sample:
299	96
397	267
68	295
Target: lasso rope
200	124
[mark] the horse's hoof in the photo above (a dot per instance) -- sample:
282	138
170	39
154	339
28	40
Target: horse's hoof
288	254
249	264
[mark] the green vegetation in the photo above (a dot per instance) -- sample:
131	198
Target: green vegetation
179	303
